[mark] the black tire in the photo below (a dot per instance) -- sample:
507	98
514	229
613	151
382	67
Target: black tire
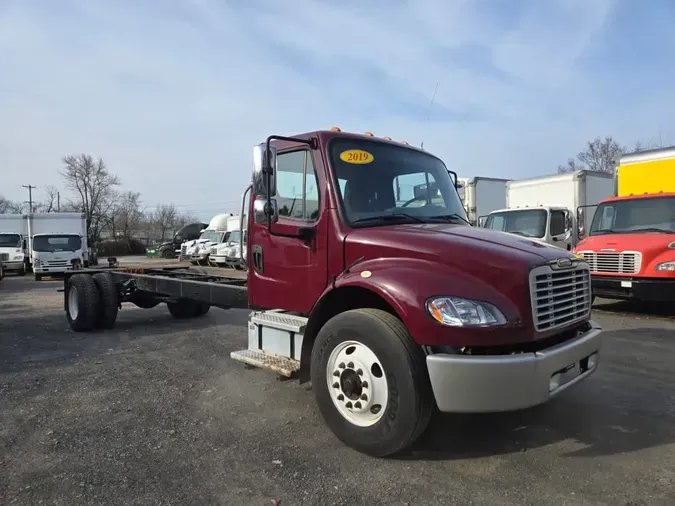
109	303
167	253
410	403
38	277
183	309
201	309
86	298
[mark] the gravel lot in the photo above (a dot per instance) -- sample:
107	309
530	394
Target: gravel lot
155	412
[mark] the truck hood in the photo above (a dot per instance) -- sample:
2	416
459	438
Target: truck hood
463	247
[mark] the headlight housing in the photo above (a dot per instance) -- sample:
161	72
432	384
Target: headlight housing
459	312
666	266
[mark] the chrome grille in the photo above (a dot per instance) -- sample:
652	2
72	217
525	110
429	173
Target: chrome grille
183	249
625	262
214	250
4	257
559	296
56	263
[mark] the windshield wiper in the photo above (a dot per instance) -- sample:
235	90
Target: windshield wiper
603	231
449	217
390	217
652	229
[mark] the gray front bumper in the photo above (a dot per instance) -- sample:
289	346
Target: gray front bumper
477	384
12	265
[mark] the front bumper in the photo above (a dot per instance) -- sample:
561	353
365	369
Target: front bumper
12	265
217	259
634	288
479	384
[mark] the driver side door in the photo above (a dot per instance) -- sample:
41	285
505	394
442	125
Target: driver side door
287	272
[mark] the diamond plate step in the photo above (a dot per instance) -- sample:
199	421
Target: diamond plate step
281	321
281	365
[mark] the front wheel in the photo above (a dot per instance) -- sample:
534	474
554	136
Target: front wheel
370	382
167	253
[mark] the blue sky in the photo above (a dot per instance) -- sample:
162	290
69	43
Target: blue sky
173	94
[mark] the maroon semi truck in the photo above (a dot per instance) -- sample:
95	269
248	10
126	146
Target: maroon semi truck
365	278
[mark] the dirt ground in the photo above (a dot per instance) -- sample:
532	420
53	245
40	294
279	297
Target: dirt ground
155	412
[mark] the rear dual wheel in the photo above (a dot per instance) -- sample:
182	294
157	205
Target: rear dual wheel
91	302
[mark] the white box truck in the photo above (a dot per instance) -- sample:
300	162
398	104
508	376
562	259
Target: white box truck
544	208
57	242
212	235
481	195
14	254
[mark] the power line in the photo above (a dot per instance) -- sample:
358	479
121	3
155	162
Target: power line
30	196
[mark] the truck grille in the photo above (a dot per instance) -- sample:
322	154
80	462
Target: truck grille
626	262
559	296
183	250
214	250
4	257
56	263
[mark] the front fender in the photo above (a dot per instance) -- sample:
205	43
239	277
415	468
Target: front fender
406	284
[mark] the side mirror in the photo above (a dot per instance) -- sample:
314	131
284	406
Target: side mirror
580	223
425	191
23	244
260	211
453	177
178	238
264	165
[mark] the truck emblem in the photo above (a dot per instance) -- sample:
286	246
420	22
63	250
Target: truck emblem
564	262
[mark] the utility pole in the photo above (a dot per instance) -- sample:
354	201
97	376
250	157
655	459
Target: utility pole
58	202
30	197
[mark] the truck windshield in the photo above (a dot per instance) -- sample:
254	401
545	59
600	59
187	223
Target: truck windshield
640	215
56	243
10	241
527	222
211	235
381	183
235	236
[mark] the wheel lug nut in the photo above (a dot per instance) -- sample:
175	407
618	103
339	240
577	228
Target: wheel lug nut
341	365
364	384
364	397
336	385
340	397
336	373
359	372
350	365
357	405
349	405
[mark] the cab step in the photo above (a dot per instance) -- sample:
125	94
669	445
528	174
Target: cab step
283	366
276	319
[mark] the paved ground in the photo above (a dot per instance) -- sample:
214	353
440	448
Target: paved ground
155	412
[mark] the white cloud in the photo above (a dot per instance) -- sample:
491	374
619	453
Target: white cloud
173	96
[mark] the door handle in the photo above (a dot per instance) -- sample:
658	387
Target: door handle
258	258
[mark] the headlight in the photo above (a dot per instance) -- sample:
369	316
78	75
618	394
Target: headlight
666	266
457	312
18	257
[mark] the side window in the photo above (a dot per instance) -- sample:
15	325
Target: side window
557	223
497	223
297	200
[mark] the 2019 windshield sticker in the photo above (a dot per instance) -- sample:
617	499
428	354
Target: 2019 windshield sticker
357	156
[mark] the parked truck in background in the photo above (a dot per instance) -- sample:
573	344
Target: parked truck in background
481	196
187	233
57	243
390	311
14	254
544	208
630	245
215	233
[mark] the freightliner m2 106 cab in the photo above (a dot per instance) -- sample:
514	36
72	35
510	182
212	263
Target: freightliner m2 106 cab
630	245
389	309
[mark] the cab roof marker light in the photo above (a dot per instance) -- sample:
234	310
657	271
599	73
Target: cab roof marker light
387	138
405	142
369	134
335	129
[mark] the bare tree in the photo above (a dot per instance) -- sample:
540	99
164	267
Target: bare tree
646	146
164	218
600	155
50	202
10	207
183	219
126	215
94	187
